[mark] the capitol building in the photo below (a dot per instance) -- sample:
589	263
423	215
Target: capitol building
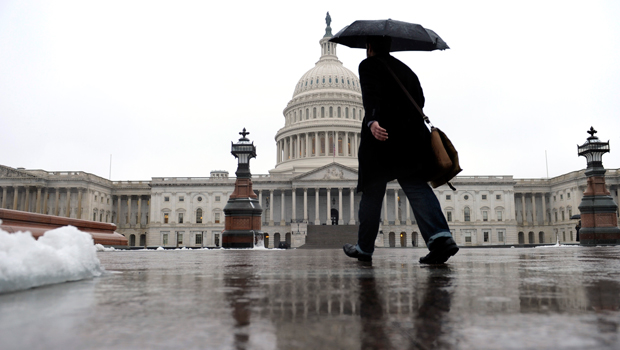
312	187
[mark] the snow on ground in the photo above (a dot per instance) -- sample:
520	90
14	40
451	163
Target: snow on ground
63	254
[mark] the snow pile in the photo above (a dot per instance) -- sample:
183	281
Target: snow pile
63	254
101	248
160	248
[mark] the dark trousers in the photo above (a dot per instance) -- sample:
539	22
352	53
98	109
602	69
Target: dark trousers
424	203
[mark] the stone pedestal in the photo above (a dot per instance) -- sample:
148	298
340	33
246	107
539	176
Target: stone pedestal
599	224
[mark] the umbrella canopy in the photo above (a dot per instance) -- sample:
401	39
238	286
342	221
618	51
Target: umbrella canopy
575	217
405	36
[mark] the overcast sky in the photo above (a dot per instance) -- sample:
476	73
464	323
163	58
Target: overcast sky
164	87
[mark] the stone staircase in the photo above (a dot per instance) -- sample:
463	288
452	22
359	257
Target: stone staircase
330	236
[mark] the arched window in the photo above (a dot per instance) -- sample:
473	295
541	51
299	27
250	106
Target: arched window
314	112
331	144
331	112
322	112
307	114
339	116
199	216
467	214
346	112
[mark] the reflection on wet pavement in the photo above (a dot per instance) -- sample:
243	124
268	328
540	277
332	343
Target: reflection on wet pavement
319	299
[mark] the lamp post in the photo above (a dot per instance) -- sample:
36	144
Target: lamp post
598	209
242	228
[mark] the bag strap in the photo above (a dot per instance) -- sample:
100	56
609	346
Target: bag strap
428	121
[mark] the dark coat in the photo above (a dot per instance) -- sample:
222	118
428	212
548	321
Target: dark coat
407	150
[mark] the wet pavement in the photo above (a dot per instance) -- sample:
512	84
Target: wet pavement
519	298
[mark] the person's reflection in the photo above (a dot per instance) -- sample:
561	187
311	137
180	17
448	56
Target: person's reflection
373	335
430	319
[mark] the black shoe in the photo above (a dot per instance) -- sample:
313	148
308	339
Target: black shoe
441	253
351	251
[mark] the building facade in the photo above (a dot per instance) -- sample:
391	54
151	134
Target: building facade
313	183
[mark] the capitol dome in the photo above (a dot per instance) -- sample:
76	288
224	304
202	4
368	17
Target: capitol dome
322	121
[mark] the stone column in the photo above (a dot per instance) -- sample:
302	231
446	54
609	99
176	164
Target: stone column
316	144
271	207
317	216
523	214
293	205
129	212
3	197
38	205
544	203
57	204
282	212
385	212
68	212
260	201
118	210
329	204
46	194
15	194
27	199
340	214
140	212
408	208
534	216
79	208
326	146
396	219
352	207
306	205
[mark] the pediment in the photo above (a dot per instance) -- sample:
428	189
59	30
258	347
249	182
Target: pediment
332	171
8	172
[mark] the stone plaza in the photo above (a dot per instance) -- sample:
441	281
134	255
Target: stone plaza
513	298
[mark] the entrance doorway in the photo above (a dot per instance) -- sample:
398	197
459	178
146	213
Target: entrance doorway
403	239
392	240
334	216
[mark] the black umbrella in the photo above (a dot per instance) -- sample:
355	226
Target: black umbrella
405	36
576	217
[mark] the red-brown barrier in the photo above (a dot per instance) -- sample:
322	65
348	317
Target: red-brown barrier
15	220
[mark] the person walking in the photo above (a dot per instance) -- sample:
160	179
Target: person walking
395	144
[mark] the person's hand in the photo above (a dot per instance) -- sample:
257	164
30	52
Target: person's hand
378	132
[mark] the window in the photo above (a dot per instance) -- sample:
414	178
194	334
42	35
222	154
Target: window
165	218
181	199
467	237
448	197
554	199
499	215
108	200
561	197
180	218
568	195
198	238
485	215
199	199
199	216
449	216
95	198
486	235
498	196
563	215
179	237
500	236
467	214
166	199
564	235
127	219
217	198
570	213
164	239
147	218
217	218
94	216
556	216
101	199
466	197
484	196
